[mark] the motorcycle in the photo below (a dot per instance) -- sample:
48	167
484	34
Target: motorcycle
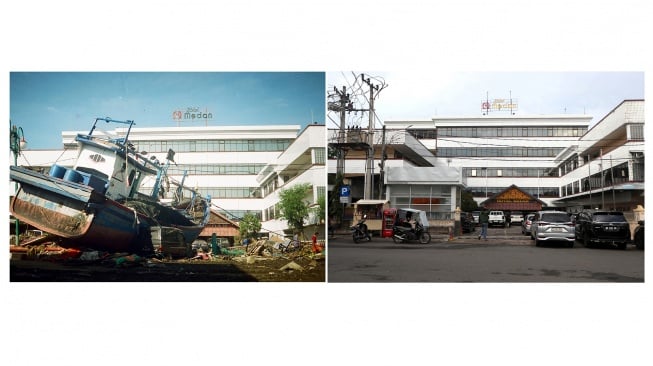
401	234
359	231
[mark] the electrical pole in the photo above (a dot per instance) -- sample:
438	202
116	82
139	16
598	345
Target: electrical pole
382	164
369	165
343	106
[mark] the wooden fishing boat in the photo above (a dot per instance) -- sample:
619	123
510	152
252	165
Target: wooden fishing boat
102	202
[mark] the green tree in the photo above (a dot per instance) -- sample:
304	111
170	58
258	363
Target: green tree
293	205
249	226
335	207
320	210
467	203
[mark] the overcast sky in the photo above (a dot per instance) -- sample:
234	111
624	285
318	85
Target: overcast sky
423	94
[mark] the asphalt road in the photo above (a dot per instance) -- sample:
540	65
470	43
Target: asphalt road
507	256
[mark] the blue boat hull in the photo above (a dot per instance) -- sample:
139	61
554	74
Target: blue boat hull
72	211
87	219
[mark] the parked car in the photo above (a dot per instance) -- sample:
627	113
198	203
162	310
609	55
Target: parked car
638	237
467	222
526	224
497	218
603	227
476	214
516	217
552	226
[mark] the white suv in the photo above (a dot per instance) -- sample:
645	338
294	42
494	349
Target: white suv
497	218
554	226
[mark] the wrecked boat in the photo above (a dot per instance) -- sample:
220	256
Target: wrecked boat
112	199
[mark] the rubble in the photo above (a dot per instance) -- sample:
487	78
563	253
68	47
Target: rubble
292	266
45	259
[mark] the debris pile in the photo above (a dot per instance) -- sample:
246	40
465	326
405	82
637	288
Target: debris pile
263	256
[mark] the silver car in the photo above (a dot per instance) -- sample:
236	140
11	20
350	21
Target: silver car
526	224
553	226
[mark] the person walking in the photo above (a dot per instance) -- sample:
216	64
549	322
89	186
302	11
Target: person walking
483	219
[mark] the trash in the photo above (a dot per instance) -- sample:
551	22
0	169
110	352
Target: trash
232	252
90	256
128	260
291	266
202	256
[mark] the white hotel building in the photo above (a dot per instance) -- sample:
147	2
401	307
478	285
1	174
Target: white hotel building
556	160
243	168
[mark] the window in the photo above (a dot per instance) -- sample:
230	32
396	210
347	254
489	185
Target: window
637	132
318	156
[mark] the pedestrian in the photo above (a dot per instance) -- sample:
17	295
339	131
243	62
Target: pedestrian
316	248
483	219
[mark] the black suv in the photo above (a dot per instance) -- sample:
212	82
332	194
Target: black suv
602	227
467	222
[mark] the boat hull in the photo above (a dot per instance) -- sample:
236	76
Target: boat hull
72	211
87	219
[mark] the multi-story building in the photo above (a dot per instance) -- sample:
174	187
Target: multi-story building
604	168
510	161
242	168
495	152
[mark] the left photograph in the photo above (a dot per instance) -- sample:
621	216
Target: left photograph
167	177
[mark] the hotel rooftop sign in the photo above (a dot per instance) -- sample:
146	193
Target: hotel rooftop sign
496	105
191	114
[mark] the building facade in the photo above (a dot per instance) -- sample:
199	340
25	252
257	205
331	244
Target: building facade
242	168
547	161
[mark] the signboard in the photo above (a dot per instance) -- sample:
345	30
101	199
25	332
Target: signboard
345	194
496	105
191	114
513	195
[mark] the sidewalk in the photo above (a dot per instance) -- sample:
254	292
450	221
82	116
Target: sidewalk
493	237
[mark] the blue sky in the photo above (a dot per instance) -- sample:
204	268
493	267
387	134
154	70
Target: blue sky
45	103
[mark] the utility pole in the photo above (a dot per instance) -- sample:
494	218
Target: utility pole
343	106
369	165
382	164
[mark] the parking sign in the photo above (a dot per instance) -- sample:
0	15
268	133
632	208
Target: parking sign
345	192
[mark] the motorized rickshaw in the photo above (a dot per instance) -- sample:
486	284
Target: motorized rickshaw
405	224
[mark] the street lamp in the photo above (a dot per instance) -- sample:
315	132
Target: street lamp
16	144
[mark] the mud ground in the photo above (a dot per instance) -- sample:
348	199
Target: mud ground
222	269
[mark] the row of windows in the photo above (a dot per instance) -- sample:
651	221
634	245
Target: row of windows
216	169
532	152
432	133
510	172
230	192
570	164
237	215
214	145
548	192
511	131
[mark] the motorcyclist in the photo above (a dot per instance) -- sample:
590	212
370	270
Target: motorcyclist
411	221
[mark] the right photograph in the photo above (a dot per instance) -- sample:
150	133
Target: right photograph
490	177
